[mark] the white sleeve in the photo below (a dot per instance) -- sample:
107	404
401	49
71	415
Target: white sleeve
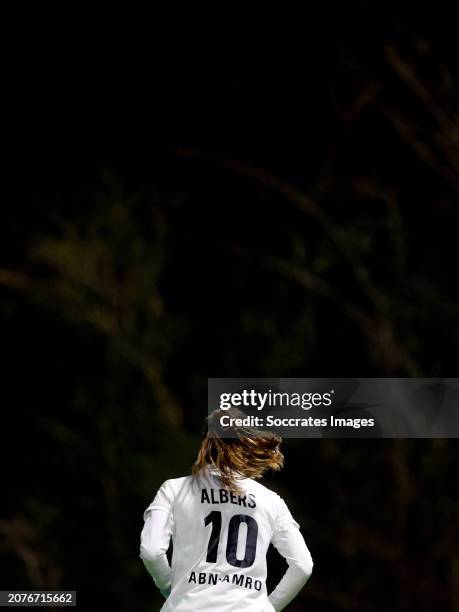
156	535
291	545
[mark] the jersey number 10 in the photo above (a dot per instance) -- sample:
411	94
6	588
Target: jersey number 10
215	518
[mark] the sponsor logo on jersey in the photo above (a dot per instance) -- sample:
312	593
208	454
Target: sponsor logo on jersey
242	580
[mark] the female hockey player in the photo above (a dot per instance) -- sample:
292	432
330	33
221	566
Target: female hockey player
221	522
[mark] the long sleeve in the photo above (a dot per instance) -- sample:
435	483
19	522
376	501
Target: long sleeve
291	545
155	538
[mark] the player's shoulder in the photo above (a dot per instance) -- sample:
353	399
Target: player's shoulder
175	484
266	493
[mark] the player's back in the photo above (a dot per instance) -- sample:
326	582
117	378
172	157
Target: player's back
220	541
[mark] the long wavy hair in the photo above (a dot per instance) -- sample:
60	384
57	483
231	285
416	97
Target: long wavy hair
237	452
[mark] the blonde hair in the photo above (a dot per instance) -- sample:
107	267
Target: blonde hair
237	452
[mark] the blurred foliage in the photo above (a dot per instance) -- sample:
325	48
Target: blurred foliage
321	246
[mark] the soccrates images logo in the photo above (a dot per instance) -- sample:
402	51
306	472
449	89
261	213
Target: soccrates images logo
342	407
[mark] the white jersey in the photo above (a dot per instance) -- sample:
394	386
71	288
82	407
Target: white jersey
220	540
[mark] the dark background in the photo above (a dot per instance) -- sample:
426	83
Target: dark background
241	198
